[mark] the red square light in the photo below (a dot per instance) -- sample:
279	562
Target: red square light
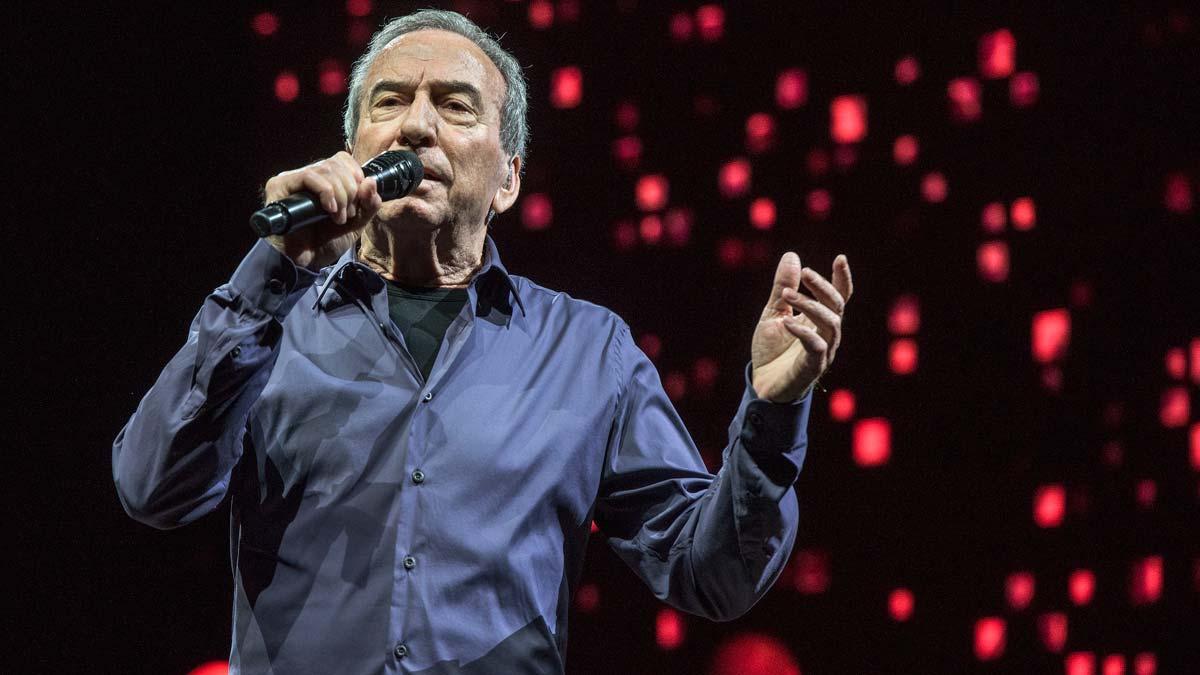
1081	663
905	149
872	441
1175	408
734	178
1049	504
902	356
536	211
905	315
1019	589
964	96
989	638
1051	335
762	213
907	70
791	89
652	192
1052	629
1113	664
1024	214
848	119
900	604
1023	90
811	576
1146	580
841	405
1081	586
991	259
997	54
669	629
566	87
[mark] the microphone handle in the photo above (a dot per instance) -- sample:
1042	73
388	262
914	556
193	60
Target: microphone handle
290	213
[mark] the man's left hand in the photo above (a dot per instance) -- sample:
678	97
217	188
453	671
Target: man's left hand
798	336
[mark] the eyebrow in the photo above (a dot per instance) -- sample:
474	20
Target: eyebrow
439	86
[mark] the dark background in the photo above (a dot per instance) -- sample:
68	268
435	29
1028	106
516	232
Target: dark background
144	133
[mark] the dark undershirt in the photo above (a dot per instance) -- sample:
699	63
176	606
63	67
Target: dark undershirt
423	315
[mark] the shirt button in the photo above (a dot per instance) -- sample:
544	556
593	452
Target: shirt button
418	476
401	650
428	396
756	419
237	351
409	562
275	286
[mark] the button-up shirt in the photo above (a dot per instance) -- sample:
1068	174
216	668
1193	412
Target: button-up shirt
382	522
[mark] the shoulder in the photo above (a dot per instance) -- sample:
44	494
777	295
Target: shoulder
549	305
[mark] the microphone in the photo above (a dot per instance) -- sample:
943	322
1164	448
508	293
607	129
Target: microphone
397	173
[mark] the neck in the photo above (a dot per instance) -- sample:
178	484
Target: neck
445	257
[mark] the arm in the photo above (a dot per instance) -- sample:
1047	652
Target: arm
173	458
709	545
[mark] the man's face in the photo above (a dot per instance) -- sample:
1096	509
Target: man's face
437	94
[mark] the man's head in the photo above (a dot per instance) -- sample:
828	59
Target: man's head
436	83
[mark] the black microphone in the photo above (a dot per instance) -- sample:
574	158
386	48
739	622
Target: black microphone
396	172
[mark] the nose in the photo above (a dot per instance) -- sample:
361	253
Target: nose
418	126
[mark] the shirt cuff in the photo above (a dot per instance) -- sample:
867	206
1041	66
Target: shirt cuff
770	427
269	281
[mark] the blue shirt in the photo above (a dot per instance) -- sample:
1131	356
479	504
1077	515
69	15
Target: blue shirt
385	523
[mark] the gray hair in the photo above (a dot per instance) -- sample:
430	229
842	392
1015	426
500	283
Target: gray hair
514	129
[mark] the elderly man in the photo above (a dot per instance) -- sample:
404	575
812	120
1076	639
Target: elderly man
415	442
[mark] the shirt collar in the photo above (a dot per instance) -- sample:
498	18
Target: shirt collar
351	275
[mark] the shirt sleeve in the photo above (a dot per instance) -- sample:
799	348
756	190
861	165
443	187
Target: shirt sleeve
173	459
708	545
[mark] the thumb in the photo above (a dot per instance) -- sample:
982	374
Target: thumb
787	275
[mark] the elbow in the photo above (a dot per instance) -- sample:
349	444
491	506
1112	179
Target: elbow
144	509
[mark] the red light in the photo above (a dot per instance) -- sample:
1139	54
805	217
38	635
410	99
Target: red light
1112	454
675	384
595	528
900	604
760	133
848	119
681	27
627	115
872	441
905	149
989	638
1081	293
536	211
791	89
568	11
844	156
704	373
964	96
902	356
933	187
762	213
1145	585
997	54
651	345
992	261
566	87
669	629
752	654
1194	351
1019	588
1051	335
1048	505
905	315
1194	440
211	668
731	252
818	203
993	218
1146	492
1145	663
625	235
817	162
587	598
1024	214
1114	664
1175	363
265	23
541	14
907	70
1175	408
734	178
627	152
678	223
652	192
1081	663
1081	586
710	22
842	404
331	78
358	8
1177	193
812	572
1052	629
1023	90
287	86
651	229
359	31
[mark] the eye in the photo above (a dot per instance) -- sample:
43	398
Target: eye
457	106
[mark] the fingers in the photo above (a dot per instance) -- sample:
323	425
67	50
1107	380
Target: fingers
335	181
841	276
823	290
827	322
815	346
787	276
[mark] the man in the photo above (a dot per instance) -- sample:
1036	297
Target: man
415	442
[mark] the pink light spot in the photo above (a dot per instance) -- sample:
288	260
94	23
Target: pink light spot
791	89
902	356
734	178
625	235
762	213
211	668
651	345
933	187
675	384
812	572
1023	90
678	224
848	119
652	192
753	654
989	638
681	27
1113	664
1112	454
818	203
991	259
907	70
1049	503
1177	193
844	156
841	405
1174	408
358	8
587	598
265	23
287	86
1081	663
651	229
905	149
817	162
1081	586
1145	663
1146	493
669	629
1194	358
1146	582
905	315
1052	629
1081	293
627	116
1051	335
566	87
359	31
704	373
536	211
541	14
1024	214
1175	363
568	11
627	152
997	54
900	604
964	94
1194	446
872	441
1018	589
760	133
731	253
710	22
331	77
993	218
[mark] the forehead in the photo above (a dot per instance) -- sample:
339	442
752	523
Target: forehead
437	55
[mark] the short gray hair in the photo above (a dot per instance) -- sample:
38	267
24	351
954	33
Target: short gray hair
514	129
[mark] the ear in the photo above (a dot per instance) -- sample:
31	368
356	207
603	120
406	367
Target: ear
507	194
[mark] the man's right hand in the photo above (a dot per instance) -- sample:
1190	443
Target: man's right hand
341	189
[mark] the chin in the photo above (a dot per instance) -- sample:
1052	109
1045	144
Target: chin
410	212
